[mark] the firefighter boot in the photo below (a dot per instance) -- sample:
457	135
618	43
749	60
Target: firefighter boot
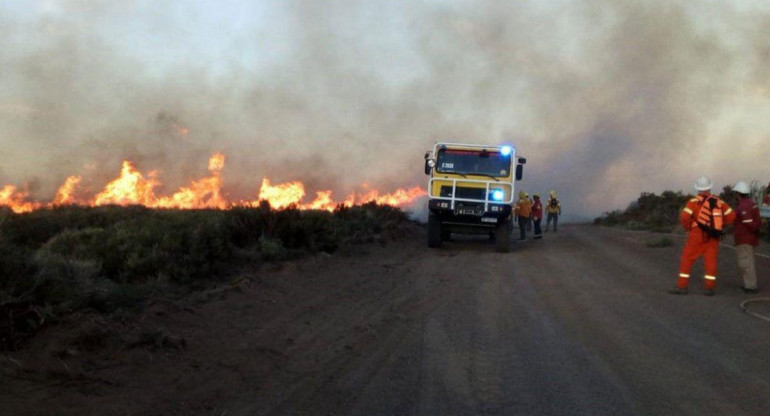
678	291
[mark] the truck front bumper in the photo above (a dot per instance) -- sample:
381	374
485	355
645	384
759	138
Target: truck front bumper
469	213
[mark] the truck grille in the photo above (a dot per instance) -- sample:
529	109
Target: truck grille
462	192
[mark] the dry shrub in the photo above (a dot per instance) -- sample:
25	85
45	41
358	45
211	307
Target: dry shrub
112	258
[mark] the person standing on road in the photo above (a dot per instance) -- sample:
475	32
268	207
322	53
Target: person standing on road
746	234
703	218
523	212
529	223
537	216
553	209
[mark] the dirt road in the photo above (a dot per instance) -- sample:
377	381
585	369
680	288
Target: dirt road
579	323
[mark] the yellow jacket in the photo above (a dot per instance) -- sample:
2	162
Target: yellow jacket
551	208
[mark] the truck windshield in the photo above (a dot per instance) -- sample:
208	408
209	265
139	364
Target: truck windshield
473	161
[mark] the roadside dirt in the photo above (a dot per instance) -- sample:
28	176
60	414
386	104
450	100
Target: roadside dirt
576	323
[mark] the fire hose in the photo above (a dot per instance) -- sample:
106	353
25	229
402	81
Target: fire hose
746	302
754	314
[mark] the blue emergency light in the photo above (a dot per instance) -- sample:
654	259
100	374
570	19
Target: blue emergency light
506	150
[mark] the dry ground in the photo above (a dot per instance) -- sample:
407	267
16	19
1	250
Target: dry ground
578	323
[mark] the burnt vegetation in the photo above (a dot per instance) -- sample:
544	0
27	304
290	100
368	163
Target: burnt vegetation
113	259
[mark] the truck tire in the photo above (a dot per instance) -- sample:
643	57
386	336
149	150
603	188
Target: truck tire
503	236
434	231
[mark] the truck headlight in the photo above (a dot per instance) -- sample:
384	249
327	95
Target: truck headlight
498	195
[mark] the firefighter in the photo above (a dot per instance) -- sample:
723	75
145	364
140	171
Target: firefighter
553	209
746	234
703	218
523	212
537	216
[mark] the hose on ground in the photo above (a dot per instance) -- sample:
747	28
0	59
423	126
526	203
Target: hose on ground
754	314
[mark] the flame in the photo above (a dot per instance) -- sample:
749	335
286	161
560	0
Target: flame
132	187
16	200
283	195
217	163
397	198
323	200
203	193
292	193
65	193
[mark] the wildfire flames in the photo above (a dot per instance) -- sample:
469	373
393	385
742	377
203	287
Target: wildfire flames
134	188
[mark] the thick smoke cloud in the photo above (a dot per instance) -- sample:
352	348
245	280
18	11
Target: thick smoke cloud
605	99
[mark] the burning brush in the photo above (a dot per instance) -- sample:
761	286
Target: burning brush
134	188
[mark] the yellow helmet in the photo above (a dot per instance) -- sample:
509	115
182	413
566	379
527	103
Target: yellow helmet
522	194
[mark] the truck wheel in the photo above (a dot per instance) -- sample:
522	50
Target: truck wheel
446	233
503	236
434	231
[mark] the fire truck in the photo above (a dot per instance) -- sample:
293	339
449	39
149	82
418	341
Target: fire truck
471	190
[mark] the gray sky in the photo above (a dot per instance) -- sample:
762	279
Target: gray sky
606	99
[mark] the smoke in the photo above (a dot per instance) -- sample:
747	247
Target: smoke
605	99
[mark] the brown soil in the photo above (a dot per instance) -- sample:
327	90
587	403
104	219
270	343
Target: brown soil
576	323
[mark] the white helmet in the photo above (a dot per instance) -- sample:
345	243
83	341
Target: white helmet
742	188
703	184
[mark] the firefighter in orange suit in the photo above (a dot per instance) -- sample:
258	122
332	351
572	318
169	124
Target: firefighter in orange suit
701	238
523	212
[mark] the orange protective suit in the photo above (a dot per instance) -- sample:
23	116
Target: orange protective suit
699	243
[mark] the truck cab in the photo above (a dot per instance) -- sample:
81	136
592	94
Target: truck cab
471	190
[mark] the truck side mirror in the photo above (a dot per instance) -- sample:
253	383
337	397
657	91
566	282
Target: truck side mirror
522	160
519	172
429	164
